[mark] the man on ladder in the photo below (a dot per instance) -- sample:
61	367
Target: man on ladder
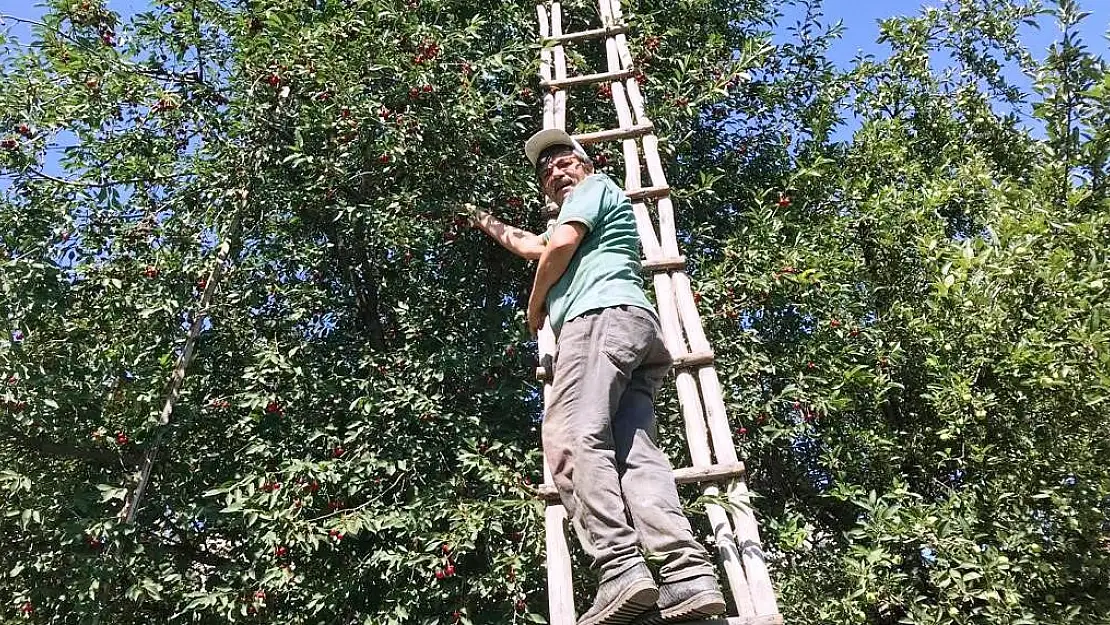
599	429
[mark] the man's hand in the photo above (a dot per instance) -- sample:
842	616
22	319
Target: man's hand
537	314
473	214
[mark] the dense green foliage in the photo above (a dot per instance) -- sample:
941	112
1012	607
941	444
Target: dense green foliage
909	309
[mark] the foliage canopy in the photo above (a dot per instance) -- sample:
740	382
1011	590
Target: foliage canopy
904	267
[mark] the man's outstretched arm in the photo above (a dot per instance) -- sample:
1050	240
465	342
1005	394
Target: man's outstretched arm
520	242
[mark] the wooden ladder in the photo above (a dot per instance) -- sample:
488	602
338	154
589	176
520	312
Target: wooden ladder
716	466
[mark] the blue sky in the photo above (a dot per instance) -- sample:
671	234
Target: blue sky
861	18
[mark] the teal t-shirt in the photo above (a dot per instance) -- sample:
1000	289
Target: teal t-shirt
605	269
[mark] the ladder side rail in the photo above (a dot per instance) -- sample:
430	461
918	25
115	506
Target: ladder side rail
742	512
700	455
560	65
560	574
632	174
545	67
611	11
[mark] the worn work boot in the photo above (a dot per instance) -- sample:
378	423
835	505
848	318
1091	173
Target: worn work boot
622	598
688	600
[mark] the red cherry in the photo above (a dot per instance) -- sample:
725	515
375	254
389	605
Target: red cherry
273	408
202	284
281	551
151	271
785	201
652	43
337	452
697	297
122	438
834	323
854	333
27	608
445	548
810	365
274	80
450	570
260	595
742	431
427	88
414	93
385	158
521	605
439	574
24	130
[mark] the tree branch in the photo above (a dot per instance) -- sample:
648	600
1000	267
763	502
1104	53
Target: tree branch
109	183
58	450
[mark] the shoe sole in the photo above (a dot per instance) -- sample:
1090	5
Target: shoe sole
632	602
706	604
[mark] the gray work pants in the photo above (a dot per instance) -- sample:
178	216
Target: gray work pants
599	440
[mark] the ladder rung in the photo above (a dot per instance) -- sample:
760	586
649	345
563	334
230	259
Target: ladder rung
696	359
585	35
616	134
587	79
648	192
686	475
665	264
